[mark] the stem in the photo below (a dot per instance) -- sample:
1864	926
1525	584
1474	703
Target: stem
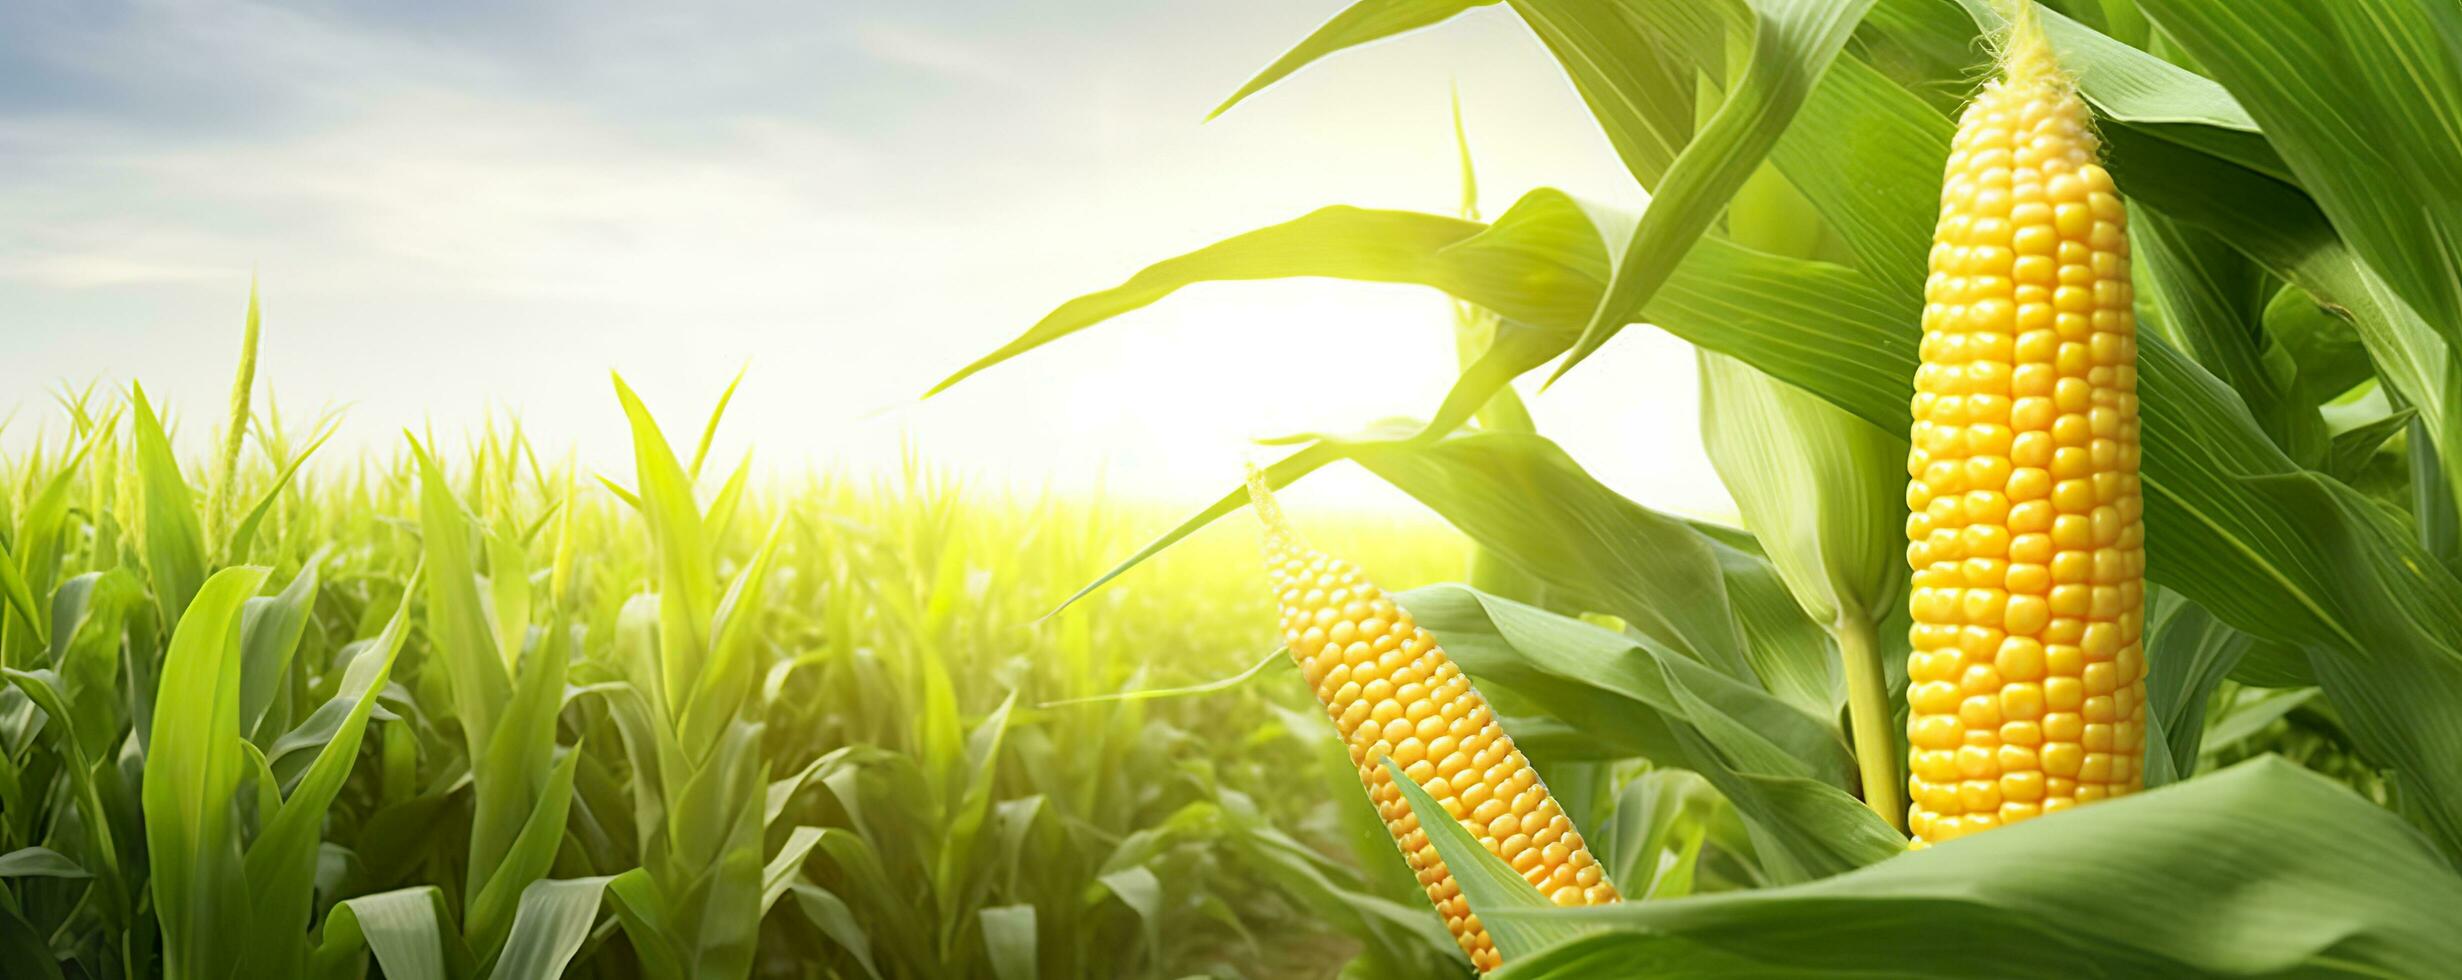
1868	714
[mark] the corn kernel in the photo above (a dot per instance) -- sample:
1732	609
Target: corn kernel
1397	695
2028	673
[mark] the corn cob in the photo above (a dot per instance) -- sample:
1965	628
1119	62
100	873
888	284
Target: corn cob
2027	679
1391	691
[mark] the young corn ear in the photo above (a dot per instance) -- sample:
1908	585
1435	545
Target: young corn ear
2027	680
1391	691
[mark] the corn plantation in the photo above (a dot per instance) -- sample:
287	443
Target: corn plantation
911	795
2081	371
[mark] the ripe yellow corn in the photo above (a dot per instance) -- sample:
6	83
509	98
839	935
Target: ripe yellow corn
2027	681
1391	691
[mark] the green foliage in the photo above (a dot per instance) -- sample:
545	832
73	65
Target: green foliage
491	727
2153	885
442	730
2296	381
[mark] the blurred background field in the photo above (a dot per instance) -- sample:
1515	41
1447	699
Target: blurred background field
904	645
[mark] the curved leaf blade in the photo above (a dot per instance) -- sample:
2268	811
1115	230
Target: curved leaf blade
1357	24
2172	882
1793	45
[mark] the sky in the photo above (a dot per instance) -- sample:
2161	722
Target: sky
462	209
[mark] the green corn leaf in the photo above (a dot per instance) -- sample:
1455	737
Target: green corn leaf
1489	884
2162	884
830	914
554	919
1280	657
1357	24
1824	493
1009	941
40	862
1868	156
1792	46
525	793
2294	240
969	810
2124	82
782	792
2375	145
290	754
709	430
2251	712
2212	301
630	499
457	618
39	537
1820	489
711	860
2327	357
19	597
269	632
1541	265
687	580
642	909
869	881
1638	66
724	686
508	592
244	535
2188	653
1662	811
1653	571
1666	578
729	499
1352	243
92	614
653	757
192	772
787	865
1400	929
2351	450
1793	657
23	950
174	544
281	863
408	930
84	786
1782	769
1139	889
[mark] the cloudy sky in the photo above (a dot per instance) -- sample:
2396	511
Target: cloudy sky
457	208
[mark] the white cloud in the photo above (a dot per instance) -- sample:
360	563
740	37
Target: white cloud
87	271
908	46
443	228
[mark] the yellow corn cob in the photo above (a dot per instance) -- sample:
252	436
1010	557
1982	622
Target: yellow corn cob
1391	691
2027	682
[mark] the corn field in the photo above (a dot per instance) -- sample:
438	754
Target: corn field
2082	372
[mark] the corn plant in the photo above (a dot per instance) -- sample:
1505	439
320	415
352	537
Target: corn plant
702	797
432	713
2291	372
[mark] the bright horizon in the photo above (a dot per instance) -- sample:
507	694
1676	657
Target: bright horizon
471	212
